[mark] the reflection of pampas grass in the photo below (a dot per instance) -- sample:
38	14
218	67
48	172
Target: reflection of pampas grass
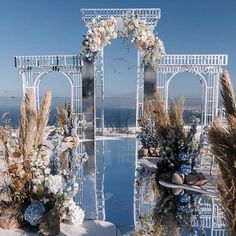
162	228
223	142
167	120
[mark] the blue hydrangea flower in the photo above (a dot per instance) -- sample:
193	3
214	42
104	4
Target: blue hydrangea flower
183	156
185	169
34	213
182	208
185	198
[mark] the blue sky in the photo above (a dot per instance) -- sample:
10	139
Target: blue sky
32	27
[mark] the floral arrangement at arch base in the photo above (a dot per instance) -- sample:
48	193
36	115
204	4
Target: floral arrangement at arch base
164	134
132	28
31	194
67	123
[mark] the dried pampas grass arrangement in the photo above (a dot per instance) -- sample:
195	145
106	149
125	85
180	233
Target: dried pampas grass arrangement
223	144
17	157
62	116
42	117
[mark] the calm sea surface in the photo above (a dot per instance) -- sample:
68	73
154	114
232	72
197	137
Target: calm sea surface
114	117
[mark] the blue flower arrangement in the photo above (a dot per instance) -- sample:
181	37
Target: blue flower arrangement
34	213
185	169
185	198
183	156
182	208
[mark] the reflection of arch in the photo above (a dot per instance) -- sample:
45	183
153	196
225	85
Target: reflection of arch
209	216
204	88
40	77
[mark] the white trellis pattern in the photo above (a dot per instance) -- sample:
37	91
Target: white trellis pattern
33	68
207	67
151	16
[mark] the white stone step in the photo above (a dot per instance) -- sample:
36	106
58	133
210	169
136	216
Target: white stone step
88	228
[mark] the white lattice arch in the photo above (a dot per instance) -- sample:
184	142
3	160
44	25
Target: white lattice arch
206	67
39	79
34	68
204	84
151	17
199	75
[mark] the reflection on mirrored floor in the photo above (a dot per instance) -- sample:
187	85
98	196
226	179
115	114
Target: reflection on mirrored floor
114	188
160	212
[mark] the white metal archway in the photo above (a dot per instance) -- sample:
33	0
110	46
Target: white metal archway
151	16
34	68
207	67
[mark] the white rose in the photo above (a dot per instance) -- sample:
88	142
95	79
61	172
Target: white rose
47	171
75	213
136	23
54	184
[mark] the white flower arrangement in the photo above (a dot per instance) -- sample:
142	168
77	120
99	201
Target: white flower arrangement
36	187
73	213
101	32
39	166
54	184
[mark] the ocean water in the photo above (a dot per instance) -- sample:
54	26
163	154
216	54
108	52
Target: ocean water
114	116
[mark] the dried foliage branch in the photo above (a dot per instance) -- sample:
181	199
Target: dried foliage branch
228	95
156	108
42	117
176	114
223	143
4	142
61	116
28	125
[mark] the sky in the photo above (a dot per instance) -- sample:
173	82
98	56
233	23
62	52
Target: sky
33	27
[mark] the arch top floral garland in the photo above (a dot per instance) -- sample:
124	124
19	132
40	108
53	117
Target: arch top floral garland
133	29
